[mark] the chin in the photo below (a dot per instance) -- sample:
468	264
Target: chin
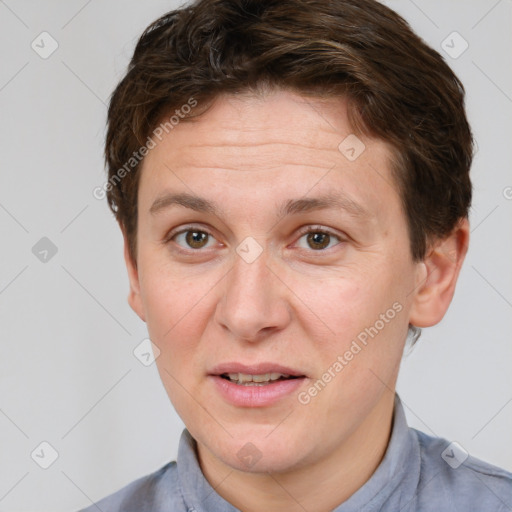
261	453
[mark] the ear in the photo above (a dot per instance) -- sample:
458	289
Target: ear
134	298
440	271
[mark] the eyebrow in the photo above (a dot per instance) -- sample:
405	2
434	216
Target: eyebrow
290	207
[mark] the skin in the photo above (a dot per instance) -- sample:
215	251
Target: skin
296	304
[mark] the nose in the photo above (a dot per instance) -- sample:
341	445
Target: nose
254	301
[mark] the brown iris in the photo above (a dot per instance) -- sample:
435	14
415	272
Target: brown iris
318	240
196	239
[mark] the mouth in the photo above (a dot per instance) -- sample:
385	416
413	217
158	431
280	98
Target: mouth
256	385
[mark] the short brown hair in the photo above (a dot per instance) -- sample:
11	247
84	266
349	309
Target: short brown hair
398	89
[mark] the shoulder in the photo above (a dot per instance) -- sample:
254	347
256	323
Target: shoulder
455	480
157	492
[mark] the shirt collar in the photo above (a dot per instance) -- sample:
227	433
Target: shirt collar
396	476
198	494
398	473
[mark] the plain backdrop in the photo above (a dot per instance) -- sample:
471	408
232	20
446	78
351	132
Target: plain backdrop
68	375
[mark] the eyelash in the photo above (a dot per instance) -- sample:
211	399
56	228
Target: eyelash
302	232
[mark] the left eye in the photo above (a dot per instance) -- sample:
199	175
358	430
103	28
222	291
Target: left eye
193	238
319	240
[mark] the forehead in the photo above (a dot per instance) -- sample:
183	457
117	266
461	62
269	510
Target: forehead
268	145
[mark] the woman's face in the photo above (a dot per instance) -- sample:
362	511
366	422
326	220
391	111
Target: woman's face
275	276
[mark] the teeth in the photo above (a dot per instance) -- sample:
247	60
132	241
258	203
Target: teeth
244	378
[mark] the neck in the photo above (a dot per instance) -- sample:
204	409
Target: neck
317	487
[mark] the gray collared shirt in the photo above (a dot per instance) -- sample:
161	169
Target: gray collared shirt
418	473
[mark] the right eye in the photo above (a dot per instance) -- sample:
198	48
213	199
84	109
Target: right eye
194	239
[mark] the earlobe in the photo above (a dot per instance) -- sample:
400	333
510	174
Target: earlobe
439	273
134	297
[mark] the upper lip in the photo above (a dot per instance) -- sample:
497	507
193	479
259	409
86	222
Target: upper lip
254	369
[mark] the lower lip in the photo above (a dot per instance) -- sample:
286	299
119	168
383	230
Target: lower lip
255	396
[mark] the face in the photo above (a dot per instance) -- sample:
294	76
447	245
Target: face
266	248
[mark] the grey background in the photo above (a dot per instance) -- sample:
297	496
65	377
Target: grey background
68	373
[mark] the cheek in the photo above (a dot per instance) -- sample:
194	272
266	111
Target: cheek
343	306
176	318
174	305
360	328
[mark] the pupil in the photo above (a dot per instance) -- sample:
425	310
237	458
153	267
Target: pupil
195	239
318	240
